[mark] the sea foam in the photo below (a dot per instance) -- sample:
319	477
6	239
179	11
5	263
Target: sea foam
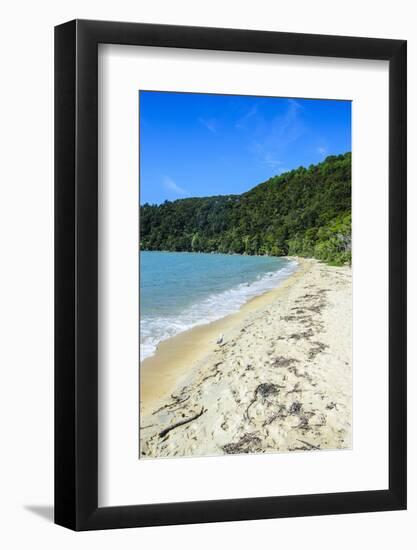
154	330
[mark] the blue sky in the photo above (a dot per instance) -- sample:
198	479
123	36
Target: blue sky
201	144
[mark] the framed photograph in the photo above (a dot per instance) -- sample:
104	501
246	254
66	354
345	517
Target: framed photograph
230	254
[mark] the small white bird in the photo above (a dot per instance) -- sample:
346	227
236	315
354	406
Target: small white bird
220	340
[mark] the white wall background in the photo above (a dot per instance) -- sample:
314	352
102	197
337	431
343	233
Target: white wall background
26	287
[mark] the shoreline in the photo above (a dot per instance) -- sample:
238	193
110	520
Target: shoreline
254	380
218	303
172	359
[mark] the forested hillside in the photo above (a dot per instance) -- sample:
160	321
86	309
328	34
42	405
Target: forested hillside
305	212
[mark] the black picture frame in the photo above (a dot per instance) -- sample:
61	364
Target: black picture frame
76	272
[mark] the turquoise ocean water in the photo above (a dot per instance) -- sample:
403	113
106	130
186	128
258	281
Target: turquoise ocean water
179	290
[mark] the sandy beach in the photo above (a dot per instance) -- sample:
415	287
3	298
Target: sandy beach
274	377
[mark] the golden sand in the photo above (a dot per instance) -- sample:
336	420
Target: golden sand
278	380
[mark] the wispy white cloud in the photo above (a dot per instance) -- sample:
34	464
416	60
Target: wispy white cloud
272	137
321	150
244	119
171	186
271	160
264	155
209	123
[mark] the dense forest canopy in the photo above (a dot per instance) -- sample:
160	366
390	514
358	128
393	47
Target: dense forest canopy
305	212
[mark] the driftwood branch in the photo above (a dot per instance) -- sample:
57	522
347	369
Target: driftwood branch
181	423
210	376
169	405
296	389
309	444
